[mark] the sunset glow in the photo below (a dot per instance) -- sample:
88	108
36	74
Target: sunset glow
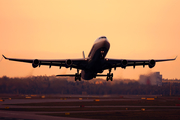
62	29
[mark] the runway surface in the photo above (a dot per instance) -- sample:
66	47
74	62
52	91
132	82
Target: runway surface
83	107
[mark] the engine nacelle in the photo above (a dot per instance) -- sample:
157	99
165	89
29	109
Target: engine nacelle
35	63
124	63
68	62
152	63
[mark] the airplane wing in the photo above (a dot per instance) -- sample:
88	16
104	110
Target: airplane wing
113	63
72	63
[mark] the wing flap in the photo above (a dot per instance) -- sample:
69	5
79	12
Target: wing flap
76	63
113	63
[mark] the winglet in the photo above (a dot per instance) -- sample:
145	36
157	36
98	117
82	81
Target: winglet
175	58
4	57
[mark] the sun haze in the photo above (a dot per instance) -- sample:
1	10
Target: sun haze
63	29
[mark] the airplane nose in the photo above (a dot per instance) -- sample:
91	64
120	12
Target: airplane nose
106	43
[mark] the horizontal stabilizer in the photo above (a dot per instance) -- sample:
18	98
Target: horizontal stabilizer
71	75
100	75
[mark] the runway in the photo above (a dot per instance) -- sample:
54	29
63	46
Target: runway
14	115
87	107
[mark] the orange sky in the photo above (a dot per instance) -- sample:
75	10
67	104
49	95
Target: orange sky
136	29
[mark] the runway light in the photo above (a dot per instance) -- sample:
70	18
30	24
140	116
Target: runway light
150	99
43	96
63	98
142	109
143	98
67	113
126	108
80	98
9	98
1	100
28	97
6	107
96	100
33	95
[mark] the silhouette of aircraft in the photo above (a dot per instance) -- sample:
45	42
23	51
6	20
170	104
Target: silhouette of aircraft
93	64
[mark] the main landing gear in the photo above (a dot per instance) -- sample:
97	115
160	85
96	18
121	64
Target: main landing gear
109	75
78	76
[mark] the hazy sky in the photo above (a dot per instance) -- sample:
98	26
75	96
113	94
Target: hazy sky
136	29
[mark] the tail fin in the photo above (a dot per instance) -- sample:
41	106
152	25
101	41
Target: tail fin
83	54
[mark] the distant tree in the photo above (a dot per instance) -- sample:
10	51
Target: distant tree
53	85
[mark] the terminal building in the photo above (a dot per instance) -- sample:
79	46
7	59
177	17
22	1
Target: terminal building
151	79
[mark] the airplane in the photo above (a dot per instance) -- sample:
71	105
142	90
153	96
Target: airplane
92	65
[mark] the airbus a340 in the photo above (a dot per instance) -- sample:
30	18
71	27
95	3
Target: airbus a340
92	65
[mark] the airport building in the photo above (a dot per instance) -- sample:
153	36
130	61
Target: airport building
151	79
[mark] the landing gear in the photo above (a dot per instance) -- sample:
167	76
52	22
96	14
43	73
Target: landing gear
102	53
78	76
109	75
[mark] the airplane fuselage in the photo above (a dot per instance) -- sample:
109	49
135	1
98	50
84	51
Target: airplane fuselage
96	58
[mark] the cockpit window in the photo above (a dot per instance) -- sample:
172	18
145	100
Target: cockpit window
98	39
102	37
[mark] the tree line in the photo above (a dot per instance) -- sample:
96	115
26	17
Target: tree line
56	85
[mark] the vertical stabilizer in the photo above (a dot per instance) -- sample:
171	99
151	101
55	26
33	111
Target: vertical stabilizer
83	54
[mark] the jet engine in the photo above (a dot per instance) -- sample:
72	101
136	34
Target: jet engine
35	63
68	62
152	63
124	63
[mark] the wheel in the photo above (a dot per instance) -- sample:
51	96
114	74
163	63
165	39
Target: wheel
107	78
76	77
111	78
112	74
79	77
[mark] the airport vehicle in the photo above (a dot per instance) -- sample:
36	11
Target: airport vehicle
92	65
